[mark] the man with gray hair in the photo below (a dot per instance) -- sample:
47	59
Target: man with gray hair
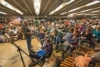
27	33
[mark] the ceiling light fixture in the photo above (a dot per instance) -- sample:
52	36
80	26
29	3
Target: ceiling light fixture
79	14
95	11
76	9
90	14
86	10
73	9
6	4
3	13
37	4
63	13
61	6
92	3
85	14
89	9
71	15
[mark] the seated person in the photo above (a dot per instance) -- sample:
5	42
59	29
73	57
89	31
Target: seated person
72	41
85	61
65	39
96	33
58	38
45	40
7	35
13	33
2	38
88	36
69	33
41	35
49	48
38	55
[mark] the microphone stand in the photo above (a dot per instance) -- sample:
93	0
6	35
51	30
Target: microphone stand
19	50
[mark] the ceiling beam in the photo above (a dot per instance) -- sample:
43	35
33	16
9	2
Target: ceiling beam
7	10
16	5
24	10
27	7
69	6
52	6
46	6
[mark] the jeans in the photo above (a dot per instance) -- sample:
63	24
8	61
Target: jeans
92	63
28	40
98	41
92	44
58	41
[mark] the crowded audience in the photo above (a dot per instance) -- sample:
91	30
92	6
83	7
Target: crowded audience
64	34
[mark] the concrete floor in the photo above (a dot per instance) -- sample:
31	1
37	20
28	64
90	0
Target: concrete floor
9	56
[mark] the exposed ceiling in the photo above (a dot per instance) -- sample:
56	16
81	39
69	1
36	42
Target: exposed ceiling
47	6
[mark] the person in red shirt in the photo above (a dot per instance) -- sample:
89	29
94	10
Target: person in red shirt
67	22
1	26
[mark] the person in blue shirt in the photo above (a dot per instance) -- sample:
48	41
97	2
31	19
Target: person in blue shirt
58	37
96	33
41	53
38	54
68	34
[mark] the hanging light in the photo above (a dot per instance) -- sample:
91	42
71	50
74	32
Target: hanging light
63	13
37	4
74	9
61	6
92	3
95	11
3	13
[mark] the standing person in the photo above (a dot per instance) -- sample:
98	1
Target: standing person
28	33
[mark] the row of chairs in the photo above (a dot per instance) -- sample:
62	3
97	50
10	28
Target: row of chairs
68	62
